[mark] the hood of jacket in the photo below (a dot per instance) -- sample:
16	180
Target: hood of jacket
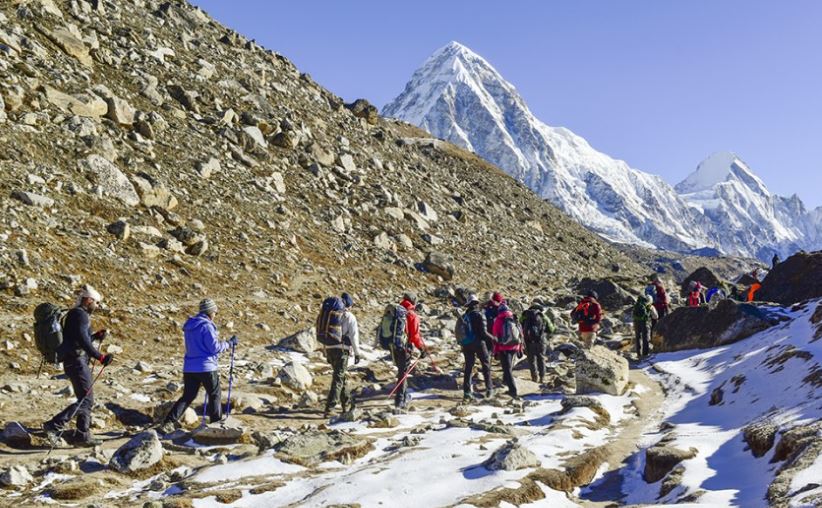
408	305
197	323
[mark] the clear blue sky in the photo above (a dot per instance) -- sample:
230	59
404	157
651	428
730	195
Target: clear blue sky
660	84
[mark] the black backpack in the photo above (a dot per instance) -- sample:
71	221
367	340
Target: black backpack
533	325
329	322
584	313
511	332
48	330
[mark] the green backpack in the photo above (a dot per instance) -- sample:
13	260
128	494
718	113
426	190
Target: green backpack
642	310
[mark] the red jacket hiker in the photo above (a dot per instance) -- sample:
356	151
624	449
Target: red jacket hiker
412	325
499	330
661	298
596	308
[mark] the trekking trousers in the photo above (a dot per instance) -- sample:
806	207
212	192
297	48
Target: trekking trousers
535	351
588	339
338	358
471	352
191	388
642	334
402	359
506	359
77	371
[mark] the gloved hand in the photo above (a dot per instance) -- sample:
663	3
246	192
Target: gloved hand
356	359
107	359
233	341
100	335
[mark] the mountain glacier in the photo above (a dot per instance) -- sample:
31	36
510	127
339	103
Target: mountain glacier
458	96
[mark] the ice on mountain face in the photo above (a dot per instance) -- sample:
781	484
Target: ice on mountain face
458	96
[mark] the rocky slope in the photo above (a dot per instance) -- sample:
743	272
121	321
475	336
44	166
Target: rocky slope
460	97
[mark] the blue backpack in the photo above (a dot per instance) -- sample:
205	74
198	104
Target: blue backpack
463	331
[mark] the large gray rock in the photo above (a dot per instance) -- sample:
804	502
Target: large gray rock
15	476
439	264
32	199
610	295
703	327
660	460
794	280
225	432
295	376
601	370
86	105
140	452
111	180
511	457
311	448
14	434
303	341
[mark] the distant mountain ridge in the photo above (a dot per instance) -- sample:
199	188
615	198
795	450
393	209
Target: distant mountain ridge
458	96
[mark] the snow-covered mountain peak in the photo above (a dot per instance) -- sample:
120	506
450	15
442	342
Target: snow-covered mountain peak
718	168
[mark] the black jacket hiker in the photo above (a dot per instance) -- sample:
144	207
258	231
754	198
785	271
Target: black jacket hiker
477	350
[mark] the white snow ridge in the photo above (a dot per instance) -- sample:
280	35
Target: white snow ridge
458	96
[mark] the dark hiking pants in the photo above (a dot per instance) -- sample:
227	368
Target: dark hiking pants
536	358
642	334
191	388
472	352
402	359
338	358
80	376
506	359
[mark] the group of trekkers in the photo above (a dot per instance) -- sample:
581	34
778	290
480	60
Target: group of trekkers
484	330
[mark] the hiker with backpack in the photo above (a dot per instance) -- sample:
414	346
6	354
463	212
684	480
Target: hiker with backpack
399	332
662	302
338	332
472	335
536	327
200	368
74	351
508	345
491	310
643	313
588	315
696	297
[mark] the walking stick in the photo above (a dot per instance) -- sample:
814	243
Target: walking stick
76	408
402	379
230	381
205	408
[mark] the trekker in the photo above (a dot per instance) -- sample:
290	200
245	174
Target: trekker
474	348
491	311
695	295
74	352
402	356
775	261
337	355
200	365
644	313
536	326
588	315
662	303
508	344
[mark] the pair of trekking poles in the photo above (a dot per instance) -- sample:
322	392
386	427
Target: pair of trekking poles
411	368
94	381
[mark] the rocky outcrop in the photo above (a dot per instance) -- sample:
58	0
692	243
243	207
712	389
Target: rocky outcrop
303	341
601	370
611	295
702	275
140	452
295	376
661	460
312	448
794	280
703	327
760	437
511	456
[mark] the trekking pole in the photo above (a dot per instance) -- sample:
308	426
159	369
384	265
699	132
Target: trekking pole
402	379
230	381
76	408
433	363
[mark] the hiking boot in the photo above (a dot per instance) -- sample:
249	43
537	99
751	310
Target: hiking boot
89	442
534	377
468	397
542	380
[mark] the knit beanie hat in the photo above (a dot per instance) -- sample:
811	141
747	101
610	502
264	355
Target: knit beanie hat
207	306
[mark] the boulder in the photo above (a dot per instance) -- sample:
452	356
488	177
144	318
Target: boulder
303	341
32	199
86	105
611	295
153	193
314	447
227	431
120	229
703	327
71	45
760	437
511	457
661	460
361	108
208	168
15	476
439	264
702	275
111	180
15	435
140	452
794	280
601	370
119	111
295	376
